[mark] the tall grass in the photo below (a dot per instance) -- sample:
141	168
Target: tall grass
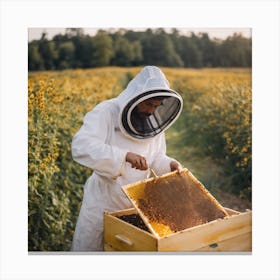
216	124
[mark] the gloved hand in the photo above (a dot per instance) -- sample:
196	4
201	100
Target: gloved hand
174	165
136	161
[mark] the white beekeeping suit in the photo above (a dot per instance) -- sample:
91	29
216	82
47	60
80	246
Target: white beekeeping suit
108	133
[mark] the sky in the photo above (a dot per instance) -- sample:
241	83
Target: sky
221	33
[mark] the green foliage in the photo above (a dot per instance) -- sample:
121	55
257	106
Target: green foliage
48	203
158	49
66	55
124	47
35	60
217	121
234	52
123	51
57	103
190	53
103	49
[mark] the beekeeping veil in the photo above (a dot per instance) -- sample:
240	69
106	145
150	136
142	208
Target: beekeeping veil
149	83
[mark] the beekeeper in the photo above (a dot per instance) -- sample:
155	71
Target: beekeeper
120	139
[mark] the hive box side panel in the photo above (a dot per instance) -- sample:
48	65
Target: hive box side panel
122	236
239	243
109	248
202	236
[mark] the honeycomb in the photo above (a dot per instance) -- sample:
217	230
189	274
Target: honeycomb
174	202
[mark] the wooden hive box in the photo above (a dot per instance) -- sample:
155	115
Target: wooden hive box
180	215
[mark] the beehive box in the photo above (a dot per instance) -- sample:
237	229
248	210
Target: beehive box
179	215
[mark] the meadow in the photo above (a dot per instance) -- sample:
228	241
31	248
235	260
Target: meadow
212	138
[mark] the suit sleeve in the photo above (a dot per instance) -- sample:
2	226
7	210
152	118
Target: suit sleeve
89	146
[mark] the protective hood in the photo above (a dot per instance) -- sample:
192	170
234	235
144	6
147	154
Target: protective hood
149	83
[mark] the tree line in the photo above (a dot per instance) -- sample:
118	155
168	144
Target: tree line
74	49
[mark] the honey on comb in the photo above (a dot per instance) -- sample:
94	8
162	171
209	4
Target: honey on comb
175	202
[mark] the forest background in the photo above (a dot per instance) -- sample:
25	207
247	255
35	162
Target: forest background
75	49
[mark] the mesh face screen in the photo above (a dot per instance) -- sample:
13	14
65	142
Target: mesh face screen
149	126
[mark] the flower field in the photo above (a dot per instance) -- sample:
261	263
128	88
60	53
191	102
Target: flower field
212	138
